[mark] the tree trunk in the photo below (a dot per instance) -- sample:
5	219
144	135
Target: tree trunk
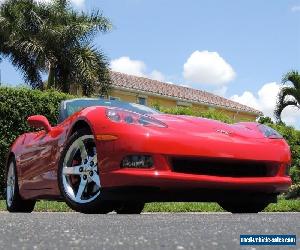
51	77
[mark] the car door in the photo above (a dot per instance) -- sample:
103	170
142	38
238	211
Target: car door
38	160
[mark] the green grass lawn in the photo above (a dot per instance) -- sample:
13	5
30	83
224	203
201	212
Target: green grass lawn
281	206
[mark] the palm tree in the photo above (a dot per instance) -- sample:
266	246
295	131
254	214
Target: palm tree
288	95
54	39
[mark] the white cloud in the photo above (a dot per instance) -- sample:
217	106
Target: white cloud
206	67
157	75
78	3
295	8
247	98
221	91
265	100
128	66
135	67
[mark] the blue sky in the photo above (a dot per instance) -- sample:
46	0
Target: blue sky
246	45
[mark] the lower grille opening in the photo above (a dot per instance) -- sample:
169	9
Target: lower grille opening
224	167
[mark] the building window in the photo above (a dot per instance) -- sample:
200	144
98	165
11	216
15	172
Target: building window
142	100
114	98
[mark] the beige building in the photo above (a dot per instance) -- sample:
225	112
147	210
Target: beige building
145	91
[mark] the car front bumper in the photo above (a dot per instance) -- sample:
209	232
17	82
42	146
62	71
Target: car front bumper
167	180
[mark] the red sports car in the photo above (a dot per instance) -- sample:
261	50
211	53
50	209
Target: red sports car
111	155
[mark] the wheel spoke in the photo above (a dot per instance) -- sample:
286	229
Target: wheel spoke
81	189
83	151
95	178
72	170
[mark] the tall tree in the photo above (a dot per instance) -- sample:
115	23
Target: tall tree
288	95
54	39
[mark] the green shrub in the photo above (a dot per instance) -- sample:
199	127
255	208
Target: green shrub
16	104
210	114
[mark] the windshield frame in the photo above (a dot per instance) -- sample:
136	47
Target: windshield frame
64	113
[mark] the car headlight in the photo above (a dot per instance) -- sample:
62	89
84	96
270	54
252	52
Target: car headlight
269	132
129	117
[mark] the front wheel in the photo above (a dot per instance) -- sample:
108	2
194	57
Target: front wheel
245	207
79	177
14	202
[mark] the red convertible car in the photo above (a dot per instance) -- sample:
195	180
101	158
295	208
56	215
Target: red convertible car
114	156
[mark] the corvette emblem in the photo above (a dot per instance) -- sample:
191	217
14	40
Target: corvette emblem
223	132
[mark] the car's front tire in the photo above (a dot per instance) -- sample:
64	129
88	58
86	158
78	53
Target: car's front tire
79	177
244	207
14	202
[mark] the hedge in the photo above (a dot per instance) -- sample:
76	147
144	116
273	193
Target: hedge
210	114
16	104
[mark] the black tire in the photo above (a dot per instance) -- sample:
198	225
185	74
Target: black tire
96	206
130	208
16	203
245	207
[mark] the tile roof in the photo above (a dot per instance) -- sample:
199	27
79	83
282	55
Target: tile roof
136	83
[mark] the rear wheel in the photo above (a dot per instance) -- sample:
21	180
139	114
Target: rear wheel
245	207
130	208
78	175
14	202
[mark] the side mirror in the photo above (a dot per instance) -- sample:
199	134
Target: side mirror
39	121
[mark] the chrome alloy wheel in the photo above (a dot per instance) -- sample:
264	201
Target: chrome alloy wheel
80	174
10	184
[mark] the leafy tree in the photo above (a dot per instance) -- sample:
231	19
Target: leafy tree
54	39
265	120
288	95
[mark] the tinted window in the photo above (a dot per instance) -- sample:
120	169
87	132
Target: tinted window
142	100
71	106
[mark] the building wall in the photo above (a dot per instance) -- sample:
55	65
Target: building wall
124	96
168	103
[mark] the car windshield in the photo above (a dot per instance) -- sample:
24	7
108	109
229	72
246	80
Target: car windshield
71	106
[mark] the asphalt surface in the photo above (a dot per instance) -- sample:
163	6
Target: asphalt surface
146	231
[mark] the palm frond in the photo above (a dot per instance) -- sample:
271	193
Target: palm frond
293	77
288	96
90	70
54	38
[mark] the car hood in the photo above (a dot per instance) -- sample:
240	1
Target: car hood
199	126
